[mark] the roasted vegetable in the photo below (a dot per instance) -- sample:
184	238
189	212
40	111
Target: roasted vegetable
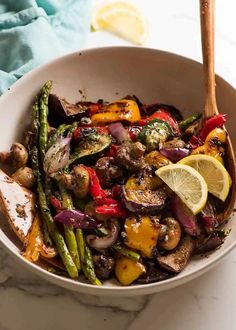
156	159
185	216
155	132
35	246
57	156
104	242
77	181
213	144
153	274
142	234
143	194
122	110
107	171
209	215
175	154
35	242
61	111
18	205
173	111
43	118
98	208
90	209
209	243
172	235
178	259
184	124
211	124
93	145
130	155
133	255
164	116
17	157
127	270
103	266
25	177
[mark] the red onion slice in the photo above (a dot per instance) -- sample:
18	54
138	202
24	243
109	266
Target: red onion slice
76	219
118	131
57	156
184	215
105	241
175	154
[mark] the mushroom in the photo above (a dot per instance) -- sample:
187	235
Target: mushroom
178	259
172	234
25	177
103	265
107	171
17	156
77	181
130	155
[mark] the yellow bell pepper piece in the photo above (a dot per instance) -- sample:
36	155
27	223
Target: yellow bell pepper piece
142	234
211	146
127	110
127	270
217	134
156	159
35	246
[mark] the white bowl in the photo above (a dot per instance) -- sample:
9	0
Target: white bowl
110	73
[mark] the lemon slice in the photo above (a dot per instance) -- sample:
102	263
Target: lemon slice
187	183
216	176
122	19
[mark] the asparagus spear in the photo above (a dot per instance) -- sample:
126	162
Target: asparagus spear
53	230
88	267
127	252
84	251
43	114
184	124
47	238
35	119
36	128
68	230
80	243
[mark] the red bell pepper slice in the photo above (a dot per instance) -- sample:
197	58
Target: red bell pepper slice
96	190
56	203
116	210
210	124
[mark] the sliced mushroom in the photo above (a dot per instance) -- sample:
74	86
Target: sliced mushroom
25	177
177	260
172	235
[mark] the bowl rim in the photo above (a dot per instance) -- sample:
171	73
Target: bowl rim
85	287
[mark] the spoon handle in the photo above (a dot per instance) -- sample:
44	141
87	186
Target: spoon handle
207	9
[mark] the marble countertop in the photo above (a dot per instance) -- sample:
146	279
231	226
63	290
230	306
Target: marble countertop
207	303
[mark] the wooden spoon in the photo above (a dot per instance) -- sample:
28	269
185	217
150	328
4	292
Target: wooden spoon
207	8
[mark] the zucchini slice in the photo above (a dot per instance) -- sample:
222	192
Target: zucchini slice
92	146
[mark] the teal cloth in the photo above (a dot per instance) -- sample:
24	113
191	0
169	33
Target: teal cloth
35	31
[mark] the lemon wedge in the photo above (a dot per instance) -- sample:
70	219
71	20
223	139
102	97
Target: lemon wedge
122	19
187	183
216	176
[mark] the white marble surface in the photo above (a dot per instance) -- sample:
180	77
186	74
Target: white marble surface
207	303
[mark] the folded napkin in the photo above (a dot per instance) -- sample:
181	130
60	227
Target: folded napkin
35	31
